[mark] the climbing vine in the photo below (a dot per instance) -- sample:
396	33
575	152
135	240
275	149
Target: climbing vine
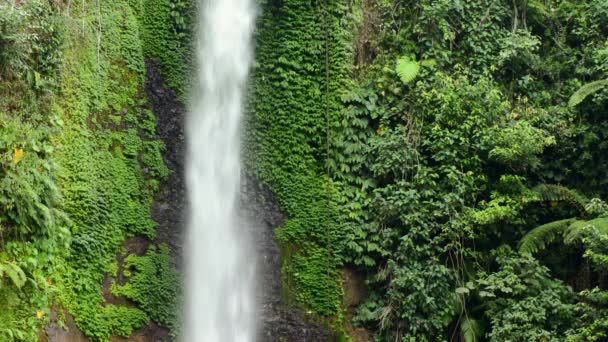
81	162
449	141
166	28
302	70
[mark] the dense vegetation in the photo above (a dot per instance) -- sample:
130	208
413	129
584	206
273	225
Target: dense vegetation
81	163
452	151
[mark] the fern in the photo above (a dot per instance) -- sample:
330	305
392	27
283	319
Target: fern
14	272
576	229
588	89
407	69
558	193
570	230
538	238
428	63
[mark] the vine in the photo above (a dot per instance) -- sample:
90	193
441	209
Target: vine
76	136
292	153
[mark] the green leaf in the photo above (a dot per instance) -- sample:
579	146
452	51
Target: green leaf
407	69
486	294
540	237
588	89
14	272
428	63
462	290
471	330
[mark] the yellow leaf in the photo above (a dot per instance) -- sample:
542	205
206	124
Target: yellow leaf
17	156
39	314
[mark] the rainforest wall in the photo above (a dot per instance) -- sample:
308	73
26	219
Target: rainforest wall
81	163
451	152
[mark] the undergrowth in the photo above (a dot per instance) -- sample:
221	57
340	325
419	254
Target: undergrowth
289	150
81	161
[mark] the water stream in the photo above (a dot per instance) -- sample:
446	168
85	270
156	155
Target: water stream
219	298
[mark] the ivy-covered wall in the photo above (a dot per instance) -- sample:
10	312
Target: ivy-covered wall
303	60
451	152
81	164
460	168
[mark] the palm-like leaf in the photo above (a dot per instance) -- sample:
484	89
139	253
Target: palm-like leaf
14	272
558	193
583	92
538	238
568	230
575	231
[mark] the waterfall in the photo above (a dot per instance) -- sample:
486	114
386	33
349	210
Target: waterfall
219	299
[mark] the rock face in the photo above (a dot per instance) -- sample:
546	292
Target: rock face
278	321
167	209
169	206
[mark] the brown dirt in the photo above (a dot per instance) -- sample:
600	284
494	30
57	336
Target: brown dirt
355	292
54	333
367	46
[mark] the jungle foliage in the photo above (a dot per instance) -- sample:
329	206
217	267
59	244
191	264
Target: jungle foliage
80	165
456	157
451	151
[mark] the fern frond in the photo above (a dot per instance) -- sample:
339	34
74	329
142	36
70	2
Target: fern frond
588	89
14	272
407	69
541	236
576	229
558	193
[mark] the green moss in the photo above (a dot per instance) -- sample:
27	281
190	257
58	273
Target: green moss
153	284
165	27
286	138
107	139
79	156
123	321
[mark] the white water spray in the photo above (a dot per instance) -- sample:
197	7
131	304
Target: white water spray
220	298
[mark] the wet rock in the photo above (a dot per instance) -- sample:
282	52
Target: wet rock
57	333
168	209
278	321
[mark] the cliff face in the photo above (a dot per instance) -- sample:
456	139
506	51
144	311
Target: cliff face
303	57
92	155
169	208
279	320
441	151
83	159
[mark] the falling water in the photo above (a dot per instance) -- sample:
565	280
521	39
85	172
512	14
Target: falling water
220	304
